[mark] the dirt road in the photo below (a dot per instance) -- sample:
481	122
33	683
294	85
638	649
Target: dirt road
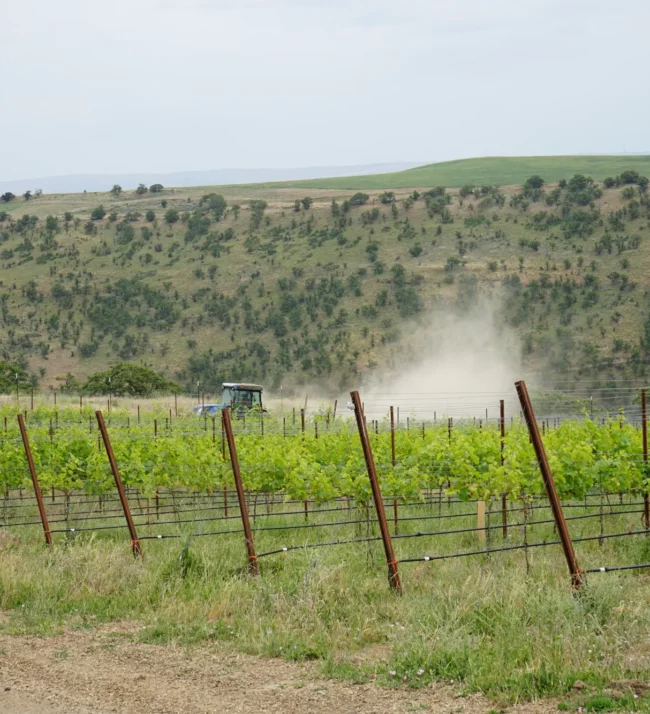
102	671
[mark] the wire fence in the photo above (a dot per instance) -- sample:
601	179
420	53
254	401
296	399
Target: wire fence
436	520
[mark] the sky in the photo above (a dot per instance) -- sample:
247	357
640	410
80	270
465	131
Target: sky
174	85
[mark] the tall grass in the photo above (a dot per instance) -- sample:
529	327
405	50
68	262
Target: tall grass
484	624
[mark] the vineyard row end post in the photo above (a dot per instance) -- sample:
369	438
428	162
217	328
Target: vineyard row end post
556	506
393	575
37	487
135	542
243	509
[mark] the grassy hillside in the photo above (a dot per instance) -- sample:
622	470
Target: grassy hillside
271	290
499	170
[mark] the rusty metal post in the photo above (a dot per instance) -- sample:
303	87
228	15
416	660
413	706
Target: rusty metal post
336	401
243	509
37	487
135	543
393	575
644	432
393	461
549	483
504	497
175	404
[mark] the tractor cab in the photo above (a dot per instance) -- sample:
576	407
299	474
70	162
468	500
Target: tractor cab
240	396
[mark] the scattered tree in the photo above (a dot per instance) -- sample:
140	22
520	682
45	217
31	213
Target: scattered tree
171	216
98	213
359	199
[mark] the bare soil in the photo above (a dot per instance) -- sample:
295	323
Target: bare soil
104	670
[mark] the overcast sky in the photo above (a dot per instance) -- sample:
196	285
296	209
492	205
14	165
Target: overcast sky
170	85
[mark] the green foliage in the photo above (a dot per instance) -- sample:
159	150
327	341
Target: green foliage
534	182
387	197
359	198
98	213
171	216
12	376
141	189
216	203
116	190
7	196
257	208
156	188
52	223
129	380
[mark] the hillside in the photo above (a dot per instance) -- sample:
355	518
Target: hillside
264	285
490	170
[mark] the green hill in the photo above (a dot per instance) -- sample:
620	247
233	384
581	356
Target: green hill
290	286
499	170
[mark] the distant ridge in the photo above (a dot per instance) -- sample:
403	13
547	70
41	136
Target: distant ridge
486	170
77	183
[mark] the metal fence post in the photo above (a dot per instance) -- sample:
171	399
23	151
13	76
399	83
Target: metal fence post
37	487
644	432
394	461
504	497
243	509
558	514
135	543
393	575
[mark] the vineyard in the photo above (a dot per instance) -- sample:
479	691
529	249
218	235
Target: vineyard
451	487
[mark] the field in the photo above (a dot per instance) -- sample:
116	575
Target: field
311	292
483	610
320	291
489	170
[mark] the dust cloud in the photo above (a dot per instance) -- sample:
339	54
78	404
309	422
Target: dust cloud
451	365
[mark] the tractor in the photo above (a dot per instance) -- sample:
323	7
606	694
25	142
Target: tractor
239	396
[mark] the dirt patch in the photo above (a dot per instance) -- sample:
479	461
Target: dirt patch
105	671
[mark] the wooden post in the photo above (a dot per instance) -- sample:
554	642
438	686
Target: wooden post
393	575
243	509
135	543
37	487
549	483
